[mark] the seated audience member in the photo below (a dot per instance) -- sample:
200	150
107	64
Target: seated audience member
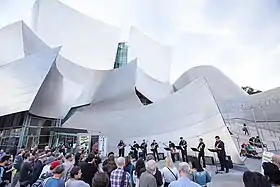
101	179
184	175
255	179
169	172
199	175
75	176
139	169
157	175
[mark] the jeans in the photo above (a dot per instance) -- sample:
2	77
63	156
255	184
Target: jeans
15	179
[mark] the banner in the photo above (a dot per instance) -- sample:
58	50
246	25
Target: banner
102	145
266	157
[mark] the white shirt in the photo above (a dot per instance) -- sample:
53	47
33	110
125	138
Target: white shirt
46	169
135	179
168	176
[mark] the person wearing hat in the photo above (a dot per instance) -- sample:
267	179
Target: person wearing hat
47	164
53	165
55	180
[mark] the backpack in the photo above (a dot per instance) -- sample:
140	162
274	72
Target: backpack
42	180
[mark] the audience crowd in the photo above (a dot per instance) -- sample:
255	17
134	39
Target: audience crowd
46	168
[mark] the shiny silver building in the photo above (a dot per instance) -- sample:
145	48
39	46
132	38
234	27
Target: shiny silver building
58	79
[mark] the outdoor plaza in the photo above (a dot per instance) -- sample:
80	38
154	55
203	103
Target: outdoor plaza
71	81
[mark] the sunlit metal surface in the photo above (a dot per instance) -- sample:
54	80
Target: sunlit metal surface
87	42
20	81
153	58
181	114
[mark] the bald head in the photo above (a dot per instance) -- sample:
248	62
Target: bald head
151	166
120	162
184	169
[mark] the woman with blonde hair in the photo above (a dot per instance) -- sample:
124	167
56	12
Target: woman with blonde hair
169	172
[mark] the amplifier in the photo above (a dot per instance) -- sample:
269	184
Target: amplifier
209	160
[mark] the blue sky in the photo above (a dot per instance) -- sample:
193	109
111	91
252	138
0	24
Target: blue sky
240	37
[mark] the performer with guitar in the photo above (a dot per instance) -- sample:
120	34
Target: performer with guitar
154	147
121	147
220	147
184	147
135	149
172	150
144	149
201	154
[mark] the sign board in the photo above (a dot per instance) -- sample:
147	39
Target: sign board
266	157
102	145
84	141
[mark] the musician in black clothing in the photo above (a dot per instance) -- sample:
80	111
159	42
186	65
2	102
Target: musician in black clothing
220	147
183	144
144	149
172	150
121	147
154	147
201	154
135	148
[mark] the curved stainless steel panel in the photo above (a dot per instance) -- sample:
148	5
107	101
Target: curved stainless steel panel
221	86
153	89
181	114
153	57
87	42
56	96
22	79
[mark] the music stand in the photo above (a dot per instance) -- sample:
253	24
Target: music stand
215	160
194	149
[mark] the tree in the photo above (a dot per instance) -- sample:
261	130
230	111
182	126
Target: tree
250	90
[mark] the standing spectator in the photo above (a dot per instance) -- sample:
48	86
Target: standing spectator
17	165
245	129
75	176
47	167
157	175
46	175
38	167
111	165
106	160
119	178
254	179
4	160
184	172
26	170
129	169
147	178
67	165
199	175
55	181
88	169
139	169
169	172
101	179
